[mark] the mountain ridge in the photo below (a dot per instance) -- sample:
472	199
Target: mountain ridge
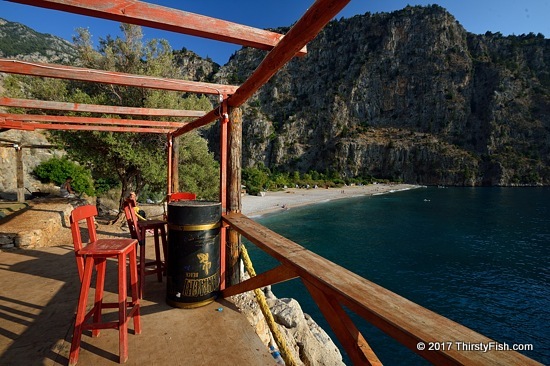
409	96
24	43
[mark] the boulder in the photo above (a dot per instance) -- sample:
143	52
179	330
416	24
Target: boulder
307	341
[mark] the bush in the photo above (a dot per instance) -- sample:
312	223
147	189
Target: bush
56	170
260	178
255	179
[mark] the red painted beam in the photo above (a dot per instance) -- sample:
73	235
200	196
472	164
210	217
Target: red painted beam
30	126
204	120
309	25
15	125
160	17
111	77
94	108
87	120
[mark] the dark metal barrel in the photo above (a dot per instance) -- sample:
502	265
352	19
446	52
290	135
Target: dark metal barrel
193	263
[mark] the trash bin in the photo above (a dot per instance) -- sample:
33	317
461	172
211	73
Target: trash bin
193	263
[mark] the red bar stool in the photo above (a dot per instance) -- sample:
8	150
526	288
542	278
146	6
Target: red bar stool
138	230
181	196
94	255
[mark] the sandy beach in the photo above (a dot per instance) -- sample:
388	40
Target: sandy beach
287	199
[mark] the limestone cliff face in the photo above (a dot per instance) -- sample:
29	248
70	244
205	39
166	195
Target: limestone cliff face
408	95
193	67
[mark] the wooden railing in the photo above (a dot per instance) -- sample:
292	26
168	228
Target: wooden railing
333	287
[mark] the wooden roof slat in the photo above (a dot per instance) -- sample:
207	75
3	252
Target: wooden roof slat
7	125
87	120
95	108
160	17
31	126
309	25
111	77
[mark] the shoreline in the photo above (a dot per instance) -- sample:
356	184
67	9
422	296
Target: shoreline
279	201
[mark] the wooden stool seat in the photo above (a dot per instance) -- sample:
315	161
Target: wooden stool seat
138	230
106	247
94	255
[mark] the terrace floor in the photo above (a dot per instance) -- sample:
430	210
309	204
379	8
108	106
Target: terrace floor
38	297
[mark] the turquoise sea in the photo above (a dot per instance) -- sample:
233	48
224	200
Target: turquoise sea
479	256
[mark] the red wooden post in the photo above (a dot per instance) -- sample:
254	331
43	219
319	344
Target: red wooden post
224	120
20	174
169	164
175	164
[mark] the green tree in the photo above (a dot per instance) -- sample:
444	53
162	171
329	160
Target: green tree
133	159
256	178
198	171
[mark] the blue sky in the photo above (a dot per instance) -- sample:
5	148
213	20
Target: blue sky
477	16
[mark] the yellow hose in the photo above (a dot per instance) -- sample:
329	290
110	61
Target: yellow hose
260	297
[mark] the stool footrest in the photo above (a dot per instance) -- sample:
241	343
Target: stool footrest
106	325
151	263
131	305
108	305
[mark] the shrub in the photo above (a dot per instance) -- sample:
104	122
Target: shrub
255	179
56	170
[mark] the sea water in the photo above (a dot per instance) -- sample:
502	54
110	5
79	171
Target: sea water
479	256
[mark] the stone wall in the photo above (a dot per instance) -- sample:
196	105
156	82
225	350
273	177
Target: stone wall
42	224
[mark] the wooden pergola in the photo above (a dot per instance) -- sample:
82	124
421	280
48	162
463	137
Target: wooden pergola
331	286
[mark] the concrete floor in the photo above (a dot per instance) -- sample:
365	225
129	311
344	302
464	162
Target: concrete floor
38	297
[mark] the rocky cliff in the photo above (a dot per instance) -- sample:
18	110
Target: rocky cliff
21	42
408	95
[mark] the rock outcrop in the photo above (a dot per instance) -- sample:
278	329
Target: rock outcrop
408	95
309	344
41	224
